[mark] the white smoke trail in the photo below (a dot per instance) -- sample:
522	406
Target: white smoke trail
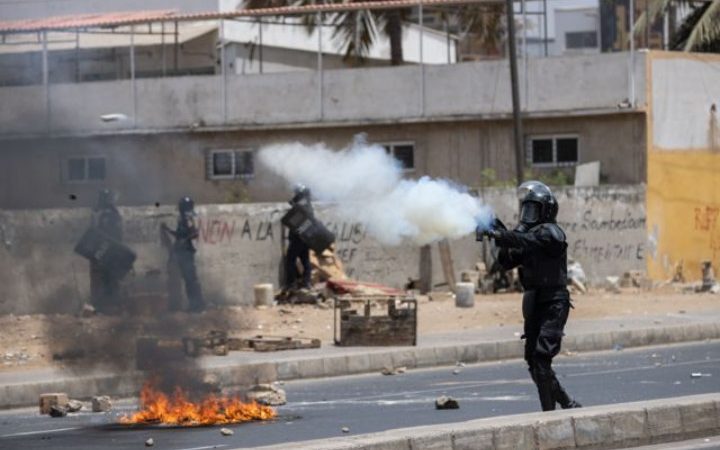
368	186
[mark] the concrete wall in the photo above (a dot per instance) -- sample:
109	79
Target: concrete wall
599	84
161	168
240	245
684	164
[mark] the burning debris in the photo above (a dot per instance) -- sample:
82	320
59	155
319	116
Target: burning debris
157	408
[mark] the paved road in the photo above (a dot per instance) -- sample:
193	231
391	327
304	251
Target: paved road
368	403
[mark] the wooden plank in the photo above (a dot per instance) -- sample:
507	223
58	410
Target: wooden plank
447	263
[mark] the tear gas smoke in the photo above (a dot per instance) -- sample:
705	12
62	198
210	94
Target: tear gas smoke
367	185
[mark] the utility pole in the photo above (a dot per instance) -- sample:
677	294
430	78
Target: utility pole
517	121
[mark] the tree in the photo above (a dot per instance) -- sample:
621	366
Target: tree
699	31
355	30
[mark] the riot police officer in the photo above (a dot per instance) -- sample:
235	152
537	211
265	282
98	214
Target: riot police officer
184	253
104	282
297	249
538	247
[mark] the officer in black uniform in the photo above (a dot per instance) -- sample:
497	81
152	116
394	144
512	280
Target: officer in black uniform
184	253
297	249
537	246
104	283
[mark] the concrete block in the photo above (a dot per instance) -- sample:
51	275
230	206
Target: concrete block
383	442
603	341
569	343
663	421
555	433
434	441
404	358
592	430
47	401
359	363
425	357
514	437
510	349
101	403
629	426
698	417
264	372
621	337
312	368
708	331
467	353
288	370
445	356
692	332
584	342
638	338
470	439
675	334
335	366
487	351
380	360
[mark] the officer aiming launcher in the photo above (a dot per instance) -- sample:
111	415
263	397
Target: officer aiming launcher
538	247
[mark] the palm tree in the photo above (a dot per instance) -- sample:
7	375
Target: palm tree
699	31
355	30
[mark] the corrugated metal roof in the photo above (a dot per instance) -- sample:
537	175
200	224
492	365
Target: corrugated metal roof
72	22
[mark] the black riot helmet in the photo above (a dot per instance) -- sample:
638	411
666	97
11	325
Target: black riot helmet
105	200
537	204
301	194
186	204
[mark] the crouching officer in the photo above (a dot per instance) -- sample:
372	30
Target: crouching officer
184	253
538	247
297	248
104	283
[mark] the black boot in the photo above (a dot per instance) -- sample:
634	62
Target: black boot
546	394
560	396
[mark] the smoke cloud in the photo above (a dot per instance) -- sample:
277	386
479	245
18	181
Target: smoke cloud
367	185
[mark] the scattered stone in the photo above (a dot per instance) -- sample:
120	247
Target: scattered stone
345	429
267	394
74	406
87	310
613	284
445	402
460	364
677	383
695	375
47	401
456	372
101	403
618	347
570	353
150	442
226	431
387	370
58	411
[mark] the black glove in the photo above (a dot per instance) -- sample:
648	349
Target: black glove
498	225
481	232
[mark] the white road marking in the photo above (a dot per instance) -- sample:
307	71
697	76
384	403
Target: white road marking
28	433
203	448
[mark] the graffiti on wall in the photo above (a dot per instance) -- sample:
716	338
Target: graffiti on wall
706	222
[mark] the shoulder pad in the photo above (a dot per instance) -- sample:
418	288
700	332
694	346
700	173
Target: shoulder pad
552	229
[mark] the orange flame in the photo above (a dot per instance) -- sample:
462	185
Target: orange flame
158	408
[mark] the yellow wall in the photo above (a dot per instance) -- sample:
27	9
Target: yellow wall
683	211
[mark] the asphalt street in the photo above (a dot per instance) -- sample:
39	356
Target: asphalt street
369	403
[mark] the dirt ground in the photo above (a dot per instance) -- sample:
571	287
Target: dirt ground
42	340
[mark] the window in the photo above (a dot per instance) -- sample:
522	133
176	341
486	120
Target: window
553	150
581	39
404	152
79	169
230	164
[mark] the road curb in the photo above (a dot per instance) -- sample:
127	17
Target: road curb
597	427
374	360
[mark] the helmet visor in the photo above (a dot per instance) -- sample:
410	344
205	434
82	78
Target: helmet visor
530	212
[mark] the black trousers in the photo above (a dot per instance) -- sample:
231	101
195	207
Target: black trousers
544	326
104	287
297	249
186	263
